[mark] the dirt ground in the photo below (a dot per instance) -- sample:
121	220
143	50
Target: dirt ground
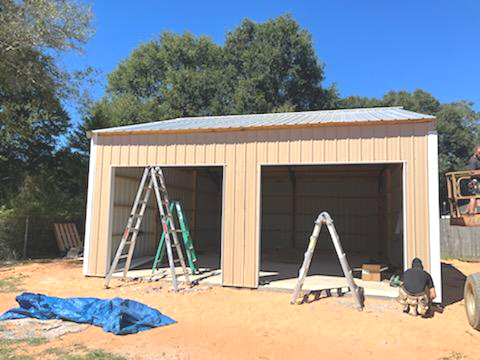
226	323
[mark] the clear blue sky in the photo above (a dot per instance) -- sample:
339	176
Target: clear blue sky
367	47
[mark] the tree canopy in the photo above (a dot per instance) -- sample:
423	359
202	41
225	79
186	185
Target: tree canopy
33	36
273	67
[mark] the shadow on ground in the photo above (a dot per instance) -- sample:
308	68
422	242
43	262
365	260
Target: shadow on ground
453	281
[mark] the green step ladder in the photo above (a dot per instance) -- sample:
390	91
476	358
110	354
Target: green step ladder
175	206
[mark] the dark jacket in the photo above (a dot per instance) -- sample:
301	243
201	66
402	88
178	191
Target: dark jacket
416	280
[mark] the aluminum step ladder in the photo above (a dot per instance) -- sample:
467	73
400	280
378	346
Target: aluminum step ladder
176	208
324	218
152	178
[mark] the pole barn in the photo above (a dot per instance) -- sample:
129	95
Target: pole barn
252	185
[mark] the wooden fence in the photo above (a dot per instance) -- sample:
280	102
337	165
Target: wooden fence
459	241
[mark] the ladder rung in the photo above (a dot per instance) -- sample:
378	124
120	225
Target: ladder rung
123	256
142	201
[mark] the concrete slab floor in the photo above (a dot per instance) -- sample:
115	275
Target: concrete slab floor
325	273
278	273
213	277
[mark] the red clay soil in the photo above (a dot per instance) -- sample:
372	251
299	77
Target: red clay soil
227	323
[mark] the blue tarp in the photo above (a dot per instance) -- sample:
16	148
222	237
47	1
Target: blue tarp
119	316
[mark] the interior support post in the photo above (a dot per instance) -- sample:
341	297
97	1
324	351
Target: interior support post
194	207
293	181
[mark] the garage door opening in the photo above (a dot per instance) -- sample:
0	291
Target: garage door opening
199	190
365	202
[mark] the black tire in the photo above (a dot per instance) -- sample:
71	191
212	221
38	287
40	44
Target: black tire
472	300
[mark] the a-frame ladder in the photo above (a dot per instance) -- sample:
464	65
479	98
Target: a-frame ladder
324	218
152	178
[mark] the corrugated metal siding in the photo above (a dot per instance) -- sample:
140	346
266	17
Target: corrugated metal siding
242	152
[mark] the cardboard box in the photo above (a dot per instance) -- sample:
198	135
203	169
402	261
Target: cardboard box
372	272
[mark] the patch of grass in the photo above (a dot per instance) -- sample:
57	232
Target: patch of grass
80	347
7	350
36	341
81	352
97	355
454	356
11	284
58	352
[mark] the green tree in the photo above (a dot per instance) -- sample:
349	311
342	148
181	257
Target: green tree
33	34
353	102
173	76
457	126
33	91
274	67
418	101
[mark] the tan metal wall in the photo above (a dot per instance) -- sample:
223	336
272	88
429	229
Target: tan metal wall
351	199
242	152
207	231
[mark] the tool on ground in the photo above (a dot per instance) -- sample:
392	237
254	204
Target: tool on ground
176	208
395	281
324	218
152	178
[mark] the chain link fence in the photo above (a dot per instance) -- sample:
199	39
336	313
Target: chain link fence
33	236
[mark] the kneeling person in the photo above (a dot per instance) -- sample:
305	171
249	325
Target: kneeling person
417	292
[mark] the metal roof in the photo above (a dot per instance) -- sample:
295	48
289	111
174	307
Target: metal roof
295	119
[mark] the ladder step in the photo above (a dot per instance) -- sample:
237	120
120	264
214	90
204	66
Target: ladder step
123	256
